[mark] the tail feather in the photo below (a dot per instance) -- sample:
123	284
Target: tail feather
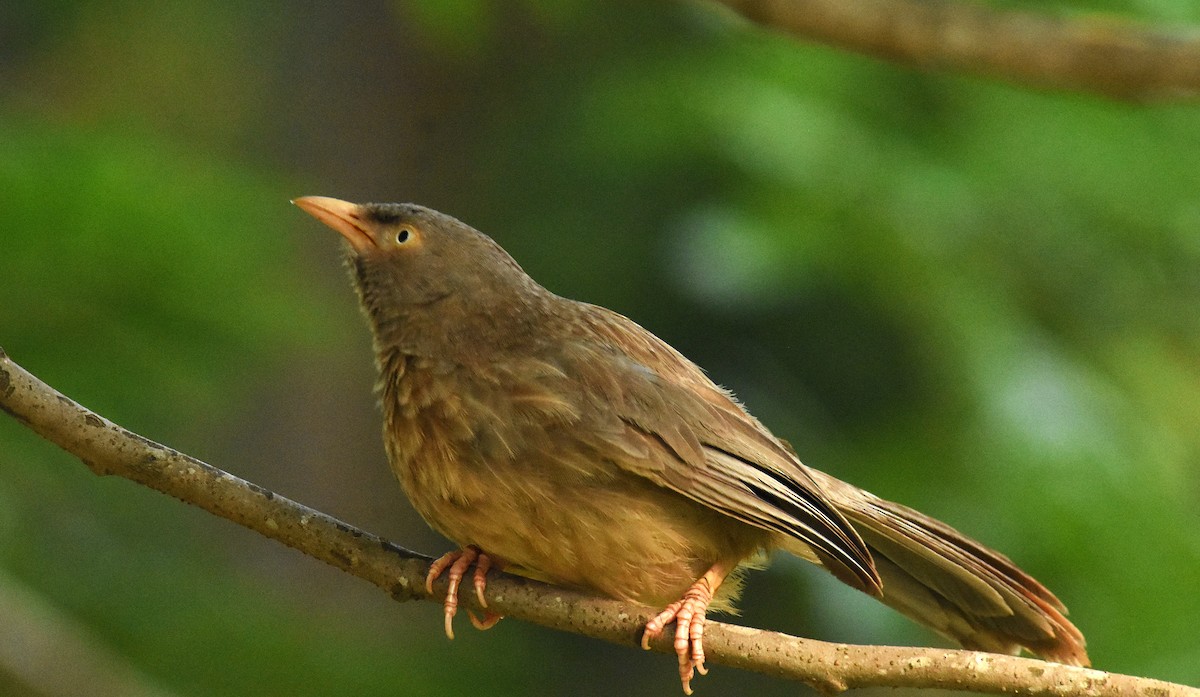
953	584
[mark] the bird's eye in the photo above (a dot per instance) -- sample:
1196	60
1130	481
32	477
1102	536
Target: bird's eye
404	235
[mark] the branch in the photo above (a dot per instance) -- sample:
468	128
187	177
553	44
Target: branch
108	449
1109	56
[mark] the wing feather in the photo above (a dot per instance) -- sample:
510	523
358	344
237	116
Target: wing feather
672	425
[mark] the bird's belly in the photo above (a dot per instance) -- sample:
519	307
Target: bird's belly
624	537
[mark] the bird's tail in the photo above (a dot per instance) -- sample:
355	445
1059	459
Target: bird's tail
955	585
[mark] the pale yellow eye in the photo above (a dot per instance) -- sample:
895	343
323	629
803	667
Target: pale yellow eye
404	235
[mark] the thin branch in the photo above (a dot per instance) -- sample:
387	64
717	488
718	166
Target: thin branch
1117	58
108	449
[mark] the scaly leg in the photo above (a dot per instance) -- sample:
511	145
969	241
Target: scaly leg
458	562
688	614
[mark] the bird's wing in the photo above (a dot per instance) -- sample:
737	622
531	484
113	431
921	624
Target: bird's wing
667	422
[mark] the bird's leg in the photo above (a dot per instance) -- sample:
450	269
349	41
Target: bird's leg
457	563
688	613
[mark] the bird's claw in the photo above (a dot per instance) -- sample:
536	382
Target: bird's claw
688	613
454	565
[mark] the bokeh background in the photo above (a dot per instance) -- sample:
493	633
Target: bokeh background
977	299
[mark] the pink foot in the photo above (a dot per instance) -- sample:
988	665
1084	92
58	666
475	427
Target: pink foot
688	615
457	563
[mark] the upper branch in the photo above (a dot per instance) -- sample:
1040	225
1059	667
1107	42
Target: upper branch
1114	57
107	448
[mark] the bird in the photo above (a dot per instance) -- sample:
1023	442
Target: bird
561	441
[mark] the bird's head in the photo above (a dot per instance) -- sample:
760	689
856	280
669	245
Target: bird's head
414	266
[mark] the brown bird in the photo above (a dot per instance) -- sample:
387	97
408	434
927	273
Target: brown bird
562	441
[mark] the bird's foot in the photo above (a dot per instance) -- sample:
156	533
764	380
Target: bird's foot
688	614
454	565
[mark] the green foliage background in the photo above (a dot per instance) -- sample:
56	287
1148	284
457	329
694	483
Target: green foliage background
977	299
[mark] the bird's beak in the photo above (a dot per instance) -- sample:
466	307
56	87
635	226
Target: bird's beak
343	216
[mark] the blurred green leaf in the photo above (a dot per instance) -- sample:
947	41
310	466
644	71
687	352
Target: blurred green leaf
147	260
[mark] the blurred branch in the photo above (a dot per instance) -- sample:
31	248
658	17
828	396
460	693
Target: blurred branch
1110	56
108	449
50	652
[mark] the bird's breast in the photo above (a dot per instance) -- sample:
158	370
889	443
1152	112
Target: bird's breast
460	435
